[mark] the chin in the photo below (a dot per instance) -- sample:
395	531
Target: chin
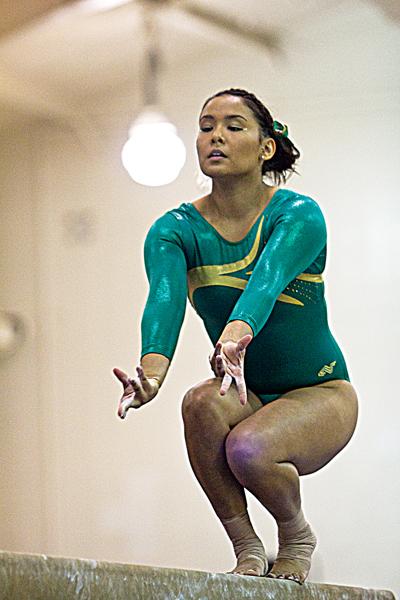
217	171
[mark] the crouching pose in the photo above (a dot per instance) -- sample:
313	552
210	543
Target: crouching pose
250	257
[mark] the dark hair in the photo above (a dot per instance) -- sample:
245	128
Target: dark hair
282	164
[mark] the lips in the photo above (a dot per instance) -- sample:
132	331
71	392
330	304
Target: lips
216	154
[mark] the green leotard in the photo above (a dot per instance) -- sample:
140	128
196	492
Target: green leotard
272	280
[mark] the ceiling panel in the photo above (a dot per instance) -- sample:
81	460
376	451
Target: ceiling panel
14	15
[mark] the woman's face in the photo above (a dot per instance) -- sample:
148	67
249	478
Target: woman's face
229	142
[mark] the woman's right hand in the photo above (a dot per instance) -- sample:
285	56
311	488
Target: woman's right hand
137	391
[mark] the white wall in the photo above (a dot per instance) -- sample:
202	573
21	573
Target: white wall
20	438
76	480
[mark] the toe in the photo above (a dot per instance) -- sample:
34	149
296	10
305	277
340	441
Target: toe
288	576
295	577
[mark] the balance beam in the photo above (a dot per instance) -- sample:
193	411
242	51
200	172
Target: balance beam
40	577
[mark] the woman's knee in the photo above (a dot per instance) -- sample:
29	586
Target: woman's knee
247	451
200	400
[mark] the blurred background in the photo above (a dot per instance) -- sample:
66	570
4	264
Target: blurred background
75	480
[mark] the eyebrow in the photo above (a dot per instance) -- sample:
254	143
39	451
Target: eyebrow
227	117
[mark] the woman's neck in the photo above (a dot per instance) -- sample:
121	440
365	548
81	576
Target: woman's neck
238	198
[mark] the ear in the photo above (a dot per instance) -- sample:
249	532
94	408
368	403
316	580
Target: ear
268	148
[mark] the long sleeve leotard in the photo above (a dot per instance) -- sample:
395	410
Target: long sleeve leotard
271	279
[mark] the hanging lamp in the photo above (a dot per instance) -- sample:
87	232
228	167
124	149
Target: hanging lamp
154	154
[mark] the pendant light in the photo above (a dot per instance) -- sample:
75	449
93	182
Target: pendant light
153	155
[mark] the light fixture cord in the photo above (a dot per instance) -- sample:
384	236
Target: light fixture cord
152	61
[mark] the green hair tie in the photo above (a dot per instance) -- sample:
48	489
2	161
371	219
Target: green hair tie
281	128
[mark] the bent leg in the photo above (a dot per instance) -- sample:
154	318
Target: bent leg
208	419
295	435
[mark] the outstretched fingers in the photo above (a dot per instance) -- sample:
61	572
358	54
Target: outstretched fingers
126	404
137	391
122	376
231	359
244	342
242	390
215	360
238	376
226	384
132	388
219	366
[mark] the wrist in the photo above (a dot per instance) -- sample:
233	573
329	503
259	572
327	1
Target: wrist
155	366
234	331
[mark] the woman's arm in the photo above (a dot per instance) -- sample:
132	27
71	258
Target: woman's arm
163	314
297	239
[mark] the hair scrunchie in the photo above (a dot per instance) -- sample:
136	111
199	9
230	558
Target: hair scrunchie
281	128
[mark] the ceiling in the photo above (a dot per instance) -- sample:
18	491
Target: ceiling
58	56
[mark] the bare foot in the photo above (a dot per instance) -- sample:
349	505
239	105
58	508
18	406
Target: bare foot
294	557
252	565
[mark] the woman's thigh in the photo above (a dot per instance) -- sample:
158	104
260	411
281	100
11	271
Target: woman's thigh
203	401
307	426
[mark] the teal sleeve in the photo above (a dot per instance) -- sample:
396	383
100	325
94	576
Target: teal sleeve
297	238
166	270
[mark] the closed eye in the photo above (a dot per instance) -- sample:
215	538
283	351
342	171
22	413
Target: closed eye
207	128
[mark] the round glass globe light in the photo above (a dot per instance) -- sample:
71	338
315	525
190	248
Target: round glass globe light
154	154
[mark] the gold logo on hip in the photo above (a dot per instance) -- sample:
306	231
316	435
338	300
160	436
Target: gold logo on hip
327	369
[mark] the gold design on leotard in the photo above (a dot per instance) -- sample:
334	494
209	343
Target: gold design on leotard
327	369
208	275
312	277
289	300
216	274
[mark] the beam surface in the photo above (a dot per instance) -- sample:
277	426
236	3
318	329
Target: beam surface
40	577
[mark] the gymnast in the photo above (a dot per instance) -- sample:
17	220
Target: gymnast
250	257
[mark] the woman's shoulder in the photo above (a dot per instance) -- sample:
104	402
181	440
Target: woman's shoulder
174	224
295	198
172	216
291	202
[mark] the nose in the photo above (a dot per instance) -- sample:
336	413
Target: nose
217	134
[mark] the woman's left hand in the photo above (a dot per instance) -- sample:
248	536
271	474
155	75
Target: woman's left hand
215	360
232	355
